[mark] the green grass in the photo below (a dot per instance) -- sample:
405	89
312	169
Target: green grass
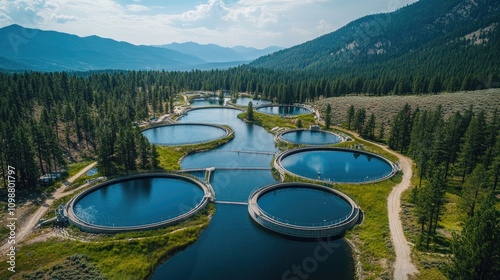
170	156
454	215
74	168
269	122
372	237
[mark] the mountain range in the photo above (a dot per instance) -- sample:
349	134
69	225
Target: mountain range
214	53
446	31
33	49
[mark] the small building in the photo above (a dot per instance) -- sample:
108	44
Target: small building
314	127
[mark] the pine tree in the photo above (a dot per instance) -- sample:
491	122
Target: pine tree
328	116
369	129
475	252
430	201
299	123
359	120
125	148
473	145
155	156
105	150
492	132
250	116
171	105
494	169
474	190
221	97
144	151
453	132
350	116
400	136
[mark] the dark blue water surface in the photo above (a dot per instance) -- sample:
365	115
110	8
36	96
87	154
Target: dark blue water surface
311	137
336	165
233	247
243	101
283	110
172	135
209	101
138	202
304	206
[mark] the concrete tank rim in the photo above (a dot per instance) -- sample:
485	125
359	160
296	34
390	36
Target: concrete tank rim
228	131
284	154
212	107
255	195
279	136
74	219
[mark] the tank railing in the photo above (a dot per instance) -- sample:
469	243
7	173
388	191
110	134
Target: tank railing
356	180
320	224
188	142
124	175
315	143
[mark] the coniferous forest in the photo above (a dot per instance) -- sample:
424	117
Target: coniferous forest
459	155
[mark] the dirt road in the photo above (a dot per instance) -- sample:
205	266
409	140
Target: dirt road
403	266
24	228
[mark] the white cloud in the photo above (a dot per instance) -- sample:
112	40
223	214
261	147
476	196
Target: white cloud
137	8
209	15
323	26
60	18
256	15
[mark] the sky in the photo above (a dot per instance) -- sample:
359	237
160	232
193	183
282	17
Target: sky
251	23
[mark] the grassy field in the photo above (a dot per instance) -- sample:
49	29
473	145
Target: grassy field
271	121
385	107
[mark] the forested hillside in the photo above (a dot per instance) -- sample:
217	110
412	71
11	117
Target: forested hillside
429	46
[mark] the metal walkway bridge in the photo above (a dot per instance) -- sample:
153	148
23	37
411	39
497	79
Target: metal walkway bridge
231	202
249	152
212	169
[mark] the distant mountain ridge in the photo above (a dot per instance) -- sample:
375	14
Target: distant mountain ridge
33	49
215	53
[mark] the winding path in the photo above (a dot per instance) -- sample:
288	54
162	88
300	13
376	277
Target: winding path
24	229
403	265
